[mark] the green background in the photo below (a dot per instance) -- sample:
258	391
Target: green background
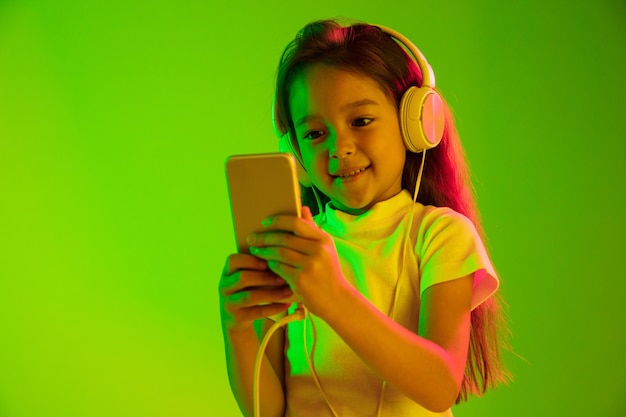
115	120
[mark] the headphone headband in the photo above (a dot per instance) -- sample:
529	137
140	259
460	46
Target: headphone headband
428	75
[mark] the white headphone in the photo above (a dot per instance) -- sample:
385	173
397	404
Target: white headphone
421	112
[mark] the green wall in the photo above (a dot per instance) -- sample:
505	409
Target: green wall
115	120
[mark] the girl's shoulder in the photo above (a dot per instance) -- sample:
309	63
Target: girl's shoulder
427	218
443	227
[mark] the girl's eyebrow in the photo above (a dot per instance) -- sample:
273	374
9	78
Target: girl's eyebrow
359	103
349	106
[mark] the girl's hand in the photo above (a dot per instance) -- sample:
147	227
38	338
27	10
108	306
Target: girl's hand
304	256
250	291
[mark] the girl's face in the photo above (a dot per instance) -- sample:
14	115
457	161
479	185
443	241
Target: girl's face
349	137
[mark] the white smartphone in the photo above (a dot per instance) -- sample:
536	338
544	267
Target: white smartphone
259	186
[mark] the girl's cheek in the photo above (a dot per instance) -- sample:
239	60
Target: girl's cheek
318	162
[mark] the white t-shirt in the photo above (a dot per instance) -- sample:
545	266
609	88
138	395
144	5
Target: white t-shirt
446	246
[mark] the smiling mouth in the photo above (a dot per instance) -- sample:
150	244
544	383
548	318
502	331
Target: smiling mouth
350	173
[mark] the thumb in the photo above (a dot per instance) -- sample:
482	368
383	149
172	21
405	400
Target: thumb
306	213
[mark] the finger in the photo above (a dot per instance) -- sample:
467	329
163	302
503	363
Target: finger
280	254
284	271
302	227
238	281
267	310
280	239
240	261
256	297
239	317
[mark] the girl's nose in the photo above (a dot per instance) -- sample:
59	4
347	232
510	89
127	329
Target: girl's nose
341	147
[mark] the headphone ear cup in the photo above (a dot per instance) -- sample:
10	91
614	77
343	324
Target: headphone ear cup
285	145
421	118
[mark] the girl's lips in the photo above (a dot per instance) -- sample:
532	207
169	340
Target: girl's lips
349	175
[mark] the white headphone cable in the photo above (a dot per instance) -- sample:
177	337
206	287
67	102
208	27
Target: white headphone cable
307	318
320	208
407	239
298	314
310	363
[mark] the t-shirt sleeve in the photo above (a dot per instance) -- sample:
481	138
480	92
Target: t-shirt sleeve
449	247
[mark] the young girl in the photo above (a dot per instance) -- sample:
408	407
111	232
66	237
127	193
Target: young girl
390	331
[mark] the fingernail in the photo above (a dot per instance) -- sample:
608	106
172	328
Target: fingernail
254	249
251	238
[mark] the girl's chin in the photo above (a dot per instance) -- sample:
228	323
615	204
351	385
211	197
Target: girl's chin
349	208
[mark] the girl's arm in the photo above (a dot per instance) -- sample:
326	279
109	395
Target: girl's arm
249	292
241	351
427	367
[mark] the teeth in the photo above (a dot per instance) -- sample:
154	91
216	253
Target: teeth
348	174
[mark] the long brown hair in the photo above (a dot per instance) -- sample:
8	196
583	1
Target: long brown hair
366	50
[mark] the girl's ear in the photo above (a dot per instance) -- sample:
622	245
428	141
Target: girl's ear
285	144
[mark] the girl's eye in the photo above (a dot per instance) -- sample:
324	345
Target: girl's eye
313	134
362	121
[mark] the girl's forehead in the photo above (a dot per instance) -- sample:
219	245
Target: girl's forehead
327	85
